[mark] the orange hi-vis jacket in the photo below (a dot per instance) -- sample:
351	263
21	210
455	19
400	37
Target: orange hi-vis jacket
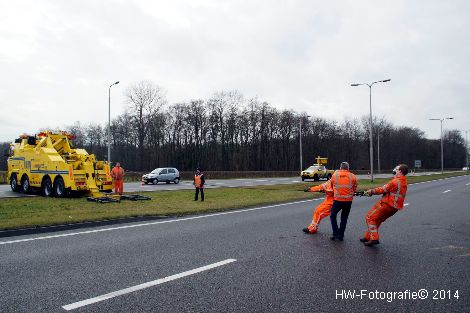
394	192
117	173
344	185
197	181
328	188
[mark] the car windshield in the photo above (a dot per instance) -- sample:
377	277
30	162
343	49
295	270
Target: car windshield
312	168
155	171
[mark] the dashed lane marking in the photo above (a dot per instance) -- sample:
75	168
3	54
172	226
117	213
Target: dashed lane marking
447	191
406	204
149	284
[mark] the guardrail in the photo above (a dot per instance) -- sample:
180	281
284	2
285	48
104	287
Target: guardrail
188	175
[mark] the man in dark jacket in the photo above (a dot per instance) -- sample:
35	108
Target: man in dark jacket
198	183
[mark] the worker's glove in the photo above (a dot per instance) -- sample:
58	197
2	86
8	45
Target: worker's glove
368	193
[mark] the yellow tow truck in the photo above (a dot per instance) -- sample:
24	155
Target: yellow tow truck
317	170
48	161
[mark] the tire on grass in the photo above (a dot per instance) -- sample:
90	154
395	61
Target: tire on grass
14	183
46	187
59	187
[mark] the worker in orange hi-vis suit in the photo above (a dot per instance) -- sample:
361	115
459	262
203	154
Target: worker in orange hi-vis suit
323	210
392	201
118	174
344	185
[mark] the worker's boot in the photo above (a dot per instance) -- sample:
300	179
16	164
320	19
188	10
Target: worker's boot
371	243
363	240
309	230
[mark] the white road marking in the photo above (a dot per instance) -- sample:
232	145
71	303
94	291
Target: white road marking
447	191
153	223
260	180
406	204
434	180
121	292
467	184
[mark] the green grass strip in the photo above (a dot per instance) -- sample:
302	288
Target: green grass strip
39	211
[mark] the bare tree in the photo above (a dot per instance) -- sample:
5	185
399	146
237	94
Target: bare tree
144	99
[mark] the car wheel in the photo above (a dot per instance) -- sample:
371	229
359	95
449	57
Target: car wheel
59	187
167	182
46	187
176	181
315	177
146	182
303	178
155	181
25	186
14	183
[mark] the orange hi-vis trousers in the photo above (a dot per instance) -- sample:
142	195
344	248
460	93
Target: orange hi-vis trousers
320	212
375	217
118	186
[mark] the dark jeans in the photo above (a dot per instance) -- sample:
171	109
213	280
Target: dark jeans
197	193
344	207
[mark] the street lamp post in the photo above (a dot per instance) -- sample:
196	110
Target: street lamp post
378	150
379	128
442	140
109	121
300	139
466	148
371	150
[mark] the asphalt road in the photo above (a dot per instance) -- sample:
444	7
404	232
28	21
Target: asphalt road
268	263
5	191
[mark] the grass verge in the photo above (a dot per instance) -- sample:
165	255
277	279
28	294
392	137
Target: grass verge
39	211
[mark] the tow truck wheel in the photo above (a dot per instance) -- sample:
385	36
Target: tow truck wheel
25	186
59	187
14	183
46	187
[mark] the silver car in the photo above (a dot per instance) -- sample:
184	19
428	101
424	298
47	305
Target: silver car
162	174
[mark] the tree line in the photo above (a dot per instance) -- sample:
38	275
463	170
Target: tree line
232	133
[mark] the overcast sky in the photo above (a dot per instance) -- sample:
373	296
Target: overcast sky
58	58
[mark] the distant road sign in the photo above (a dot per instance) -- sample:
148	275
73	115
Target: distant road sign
417	163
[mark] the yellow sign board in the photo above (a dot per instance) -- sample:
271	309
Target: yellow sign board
321	160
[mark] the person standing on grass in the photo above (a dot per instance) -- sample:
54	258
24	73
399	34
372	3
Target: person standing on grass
198	182
118	174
